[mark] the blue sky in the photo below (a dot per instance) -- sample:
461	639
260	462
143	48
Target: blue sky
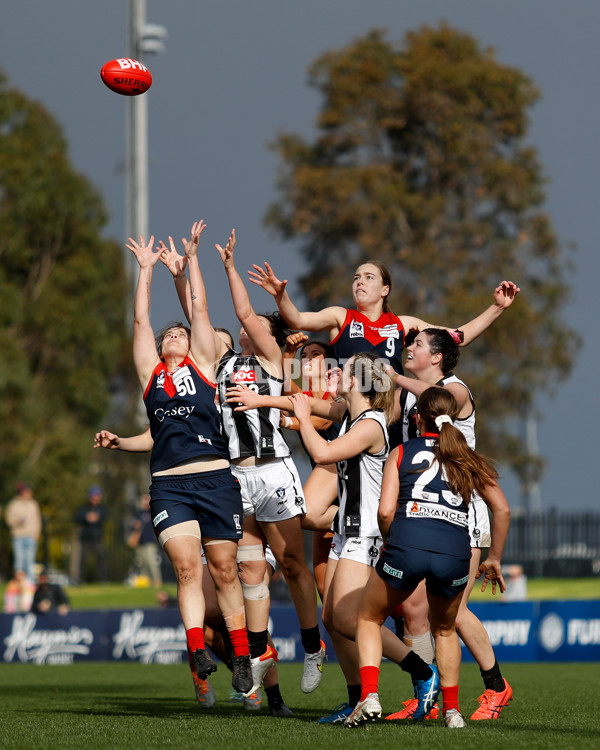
233	76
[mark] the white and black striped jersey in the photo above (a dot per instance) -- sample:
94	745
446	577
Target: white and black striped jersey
408	402
254	432
359	483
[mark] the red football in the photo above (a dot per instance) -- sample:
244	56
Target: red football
126	76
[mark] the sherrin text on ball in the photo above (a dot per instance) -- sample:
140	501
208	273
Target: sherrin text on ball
126	76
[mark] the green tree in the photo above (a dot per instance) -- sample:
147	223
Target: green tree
62	311
420	160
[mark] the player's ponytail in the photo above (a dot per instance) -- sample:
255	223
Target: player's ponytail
374	382
465	470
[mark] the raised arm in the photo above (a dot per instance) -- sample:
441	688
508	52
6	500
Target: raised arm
292	343
203	346
145	354
263	343
177	264
504	295
327	319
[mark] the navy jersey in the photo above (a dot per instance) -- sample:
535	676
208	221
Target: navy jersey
184	421
429	515
359	483
255	432
385	336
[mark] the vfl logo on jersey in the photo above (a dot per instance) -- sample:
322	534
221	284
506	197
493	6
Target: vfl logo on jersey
389	332
357	330
202	439
242	376
280	493
160	517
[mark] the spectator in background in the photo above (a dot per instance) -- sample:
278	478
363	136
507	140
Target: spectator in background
18	595
24	521
49	597
165	600
91	518
516	585
142	539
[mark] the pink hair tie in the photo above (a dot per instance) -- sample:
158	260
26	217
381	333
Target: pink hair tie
457	336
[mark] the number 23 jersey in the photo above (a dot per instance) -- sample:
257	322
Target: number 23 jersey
429	515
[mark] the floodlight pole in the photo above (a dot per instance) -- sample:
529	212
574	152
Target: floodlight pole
144	38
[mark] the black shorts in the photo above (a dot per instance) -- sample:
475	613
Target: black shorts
212	498
403	568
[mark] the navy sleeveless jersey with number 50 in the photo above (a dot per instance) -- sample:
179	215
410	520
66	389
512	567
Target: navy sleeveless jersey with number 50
184	420
429	515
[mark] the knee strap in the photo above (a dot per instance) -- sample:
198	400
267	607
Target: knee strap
255	592
250	552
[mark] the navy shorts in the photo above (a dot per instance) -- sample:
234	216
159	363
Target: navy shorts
403	568
212	498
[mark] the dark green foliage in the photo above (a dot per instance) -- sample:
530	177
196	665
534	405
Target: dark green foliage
421	160
62	310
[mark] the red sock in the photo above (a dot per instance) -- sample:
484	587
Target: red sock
239	641
195	639
369	681
450	695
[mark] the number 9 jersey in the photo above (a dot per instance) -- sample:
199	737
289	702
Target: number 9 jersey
385	336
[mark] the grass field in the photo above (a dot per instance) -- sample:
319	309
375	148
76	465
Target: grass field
118	596
124	705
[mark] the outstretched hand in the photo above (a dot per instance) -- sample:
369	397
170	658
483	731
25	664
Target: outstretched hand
301	405
170	257
191	245
226	252
492	571
106	439
245	398
144	253
505	293
266	278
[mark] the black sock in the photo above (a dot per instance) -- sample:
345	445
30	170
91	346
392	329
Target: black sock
274	697
258	642
353	694
399	627
416	667
492	678
311	639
